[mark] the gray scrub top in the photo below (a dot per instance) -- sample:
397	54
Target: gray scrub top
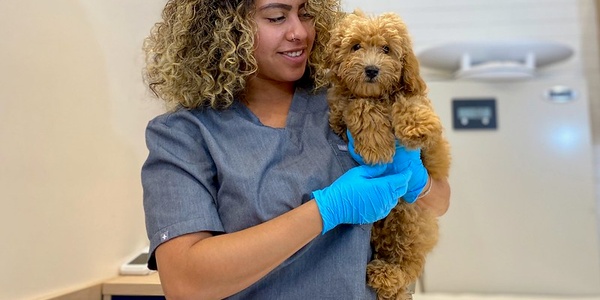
223	171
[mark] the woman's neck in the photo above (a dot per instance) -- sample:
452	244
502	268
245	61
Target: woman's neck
270	101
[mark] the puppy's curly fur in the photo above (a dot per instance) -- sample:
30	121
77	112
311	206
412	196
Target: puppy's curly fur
378	94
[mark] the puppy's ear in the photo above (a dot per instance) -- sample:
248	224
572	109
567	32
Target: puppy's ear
332	50
334	47
412	83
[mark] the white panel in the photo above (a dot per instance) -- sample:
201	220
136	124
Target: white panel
522	218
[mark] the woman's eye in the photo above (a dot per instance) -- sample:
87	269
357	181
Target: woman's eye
356	47
306	16
276	20
303	14
386	49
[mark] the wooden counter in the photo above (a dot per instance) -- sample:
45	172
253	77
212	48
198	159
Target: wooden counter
144	285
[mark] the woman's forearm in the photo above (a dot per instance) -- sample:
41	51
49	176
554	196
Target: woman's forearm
200	266
438	199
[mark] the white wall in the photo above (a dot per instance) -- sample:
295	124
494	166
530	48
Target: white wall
522	219
73	110
72	114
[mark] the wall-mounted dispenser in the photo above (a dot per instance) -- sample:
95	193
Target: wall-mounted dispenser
494	60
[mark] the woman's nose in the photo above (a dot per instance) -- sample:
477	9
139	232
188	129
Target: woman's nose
296	31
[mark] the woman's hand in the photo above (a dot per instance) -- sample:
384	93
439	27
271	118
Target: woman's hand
402	161
364	194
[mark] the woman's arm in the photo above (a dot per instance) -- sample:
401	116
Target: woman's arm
438	198
203	266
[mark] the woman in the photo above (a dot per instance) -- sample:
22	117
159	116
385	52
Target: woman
247	192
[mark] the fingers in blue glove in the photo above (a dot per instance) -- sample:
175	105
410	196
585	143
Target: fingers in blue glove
360	196
403	159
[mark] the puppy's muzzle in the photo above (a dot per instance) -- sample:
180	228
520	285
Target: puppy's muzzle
371	72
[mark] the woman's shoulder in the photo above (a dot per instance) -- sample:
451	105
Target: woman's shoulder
181	119
172	118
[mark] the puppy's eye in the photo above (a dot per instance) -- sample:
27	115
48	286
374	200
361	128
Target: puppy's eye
356	47
386	49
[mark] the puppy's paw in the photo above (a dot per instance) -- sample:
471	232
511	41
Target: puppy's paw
418	130
385	278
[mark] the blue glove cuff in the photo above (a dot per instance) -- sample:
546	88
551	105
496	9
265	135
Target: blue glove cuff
326	215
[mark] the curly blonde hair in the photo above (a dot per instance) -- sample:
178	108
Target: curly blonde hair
201	53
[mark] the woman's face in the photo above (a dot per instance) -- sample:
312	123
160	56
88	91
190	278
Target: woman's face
284	39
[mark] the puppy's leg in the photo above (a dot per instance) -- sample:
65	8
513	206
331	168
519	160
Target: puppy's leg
400	242
420	230
370	126
414	122
418	126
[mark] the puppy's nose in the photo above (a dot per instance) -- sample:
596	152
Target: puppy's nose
371	71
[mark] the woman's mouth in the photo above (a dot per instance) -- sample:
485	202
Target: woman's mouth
293	53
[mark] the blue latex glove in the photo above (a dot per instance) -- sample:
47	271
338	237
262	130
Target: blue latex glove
402	160
361	196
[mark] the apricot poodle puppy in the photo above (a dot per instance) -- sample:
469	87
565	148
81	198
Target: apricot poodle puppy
378	95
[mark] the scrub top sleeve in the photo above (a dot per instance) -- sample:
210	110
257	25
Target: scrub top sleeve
178	180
